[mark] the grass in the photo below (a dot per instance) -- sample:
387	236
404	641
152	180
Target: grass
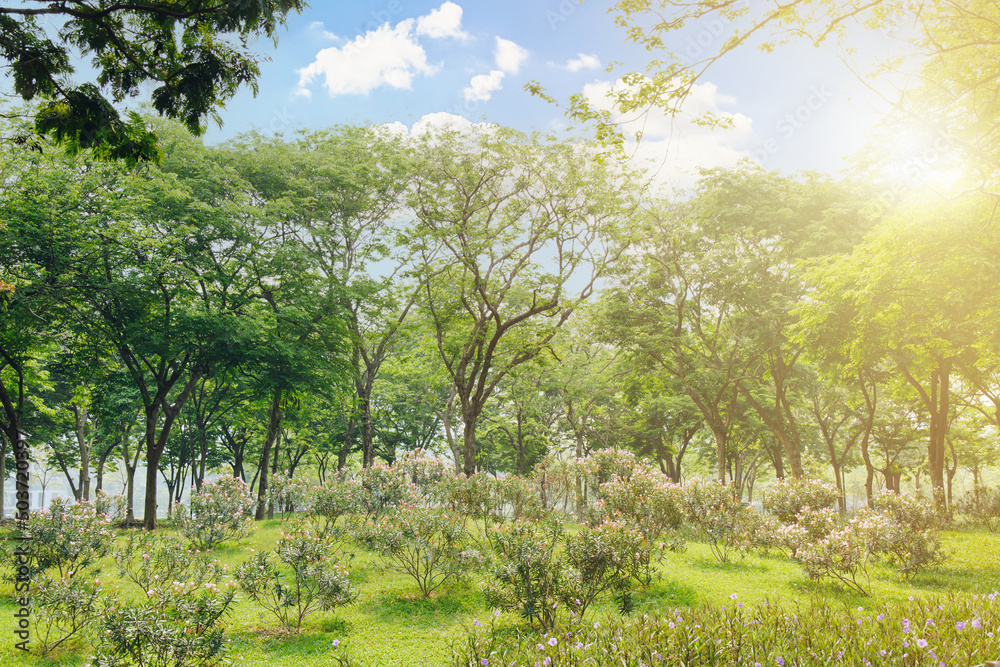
391	625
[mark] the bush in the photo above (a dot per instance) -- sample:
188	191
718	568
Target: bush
286	494
224	509
981	507
424	473
317	581
527	576
723	518
844	553
911	537
649	502
490	501
178	620
177	624
789	497
384	488
432	546
605	558
809	526
63	609
327	504
69	537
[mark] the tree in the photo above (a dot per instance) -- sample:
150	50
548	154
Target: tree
918	293
512	233
175	45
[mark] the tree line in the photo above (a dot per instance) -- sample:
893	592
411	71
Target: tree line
343	296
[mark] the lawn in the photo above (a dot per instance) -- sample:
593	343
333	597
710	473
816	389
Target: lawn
391	625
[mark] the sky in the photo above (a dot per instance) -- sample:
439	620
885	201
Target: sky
413	62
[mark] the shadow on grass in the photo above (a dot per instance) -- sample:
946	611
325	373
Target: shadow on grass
666	593
279	645
414	608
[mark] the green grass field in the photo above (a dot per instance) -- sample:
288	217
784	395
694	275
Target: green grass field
391	625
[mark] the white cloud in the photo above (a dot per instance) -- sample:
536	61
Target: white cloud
382	57
509	55
445	21
674	147
582	61
319	30
442	120
482	86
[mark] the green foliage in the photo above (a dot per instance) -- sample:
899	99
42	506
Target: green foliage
383	489
431	546
69	537
789	497
63	609
981	507
911	540
222	510
317	581
177	46
721	517
327	504
926	632
528	577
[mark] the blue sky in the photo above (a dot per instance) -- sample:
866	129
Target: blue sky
428	61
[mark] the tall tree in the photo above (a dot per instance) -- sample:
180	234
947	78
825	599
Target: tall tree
513	232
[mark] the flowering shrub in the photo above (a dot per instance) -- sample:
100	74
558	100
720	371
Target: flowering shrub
423	472
62	609
606	557
328	503
527	576
432	546
113	507
789	497
223	510
178	619
384	488
809	526
177	624
911	537
958	630
981	507
844	553
491	502
69	537
724	520
317	581
647	501
150	561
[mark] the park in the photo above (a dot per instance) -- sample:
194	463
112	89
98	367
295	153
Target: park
629	370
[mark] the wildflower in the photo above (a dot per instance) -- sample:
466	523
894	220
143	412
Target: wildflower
597	625
960	626
336	642
484	662
922	643
579	645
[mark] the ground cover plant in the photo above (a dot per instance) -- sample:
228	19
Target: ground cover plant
554	589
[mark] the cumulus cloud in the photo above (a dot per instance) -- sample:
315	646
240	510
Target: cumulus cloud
482	86
445	21
382	57
582	61
675	147
442	120
509	55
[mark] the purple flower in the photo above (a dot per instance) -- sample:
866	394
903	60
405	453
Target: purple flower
960	626
336	642
553	641
922	643
484	662
780	660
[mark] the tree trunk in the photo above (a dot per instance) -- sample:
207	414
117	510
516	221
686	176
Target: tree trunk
80	415
274	421
469	441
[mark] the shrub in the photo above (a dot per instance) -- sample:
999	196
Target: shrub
789	497
809	526
432	546
224	509
648	501
490	501
384	488
527	576
69	537
63	609
424	473
178	620
328	503
911	536
287	494
177	624
844	553
317	581
981	507
723	518
604	558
